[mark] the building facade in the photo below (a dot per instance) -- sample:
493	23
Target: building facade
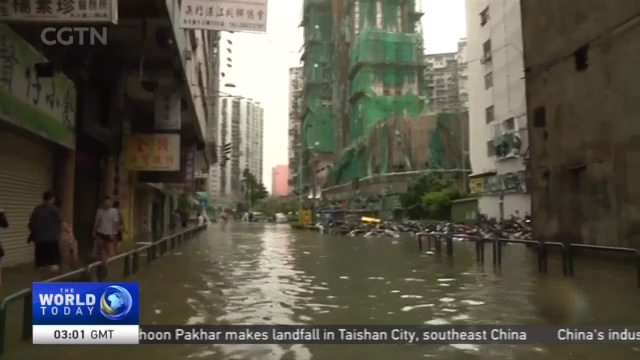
463	74
280	180
90	128
583	109
296	83
497	107
251	137
241	133
442	79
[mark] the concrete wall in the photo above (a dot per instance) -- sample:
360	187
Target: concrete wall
584	127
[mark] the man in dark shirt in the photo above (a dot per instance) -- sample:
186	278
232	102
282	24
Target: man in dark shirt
45	226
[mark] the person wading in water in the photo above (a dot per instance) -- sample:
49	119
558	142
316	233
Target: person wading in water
105	231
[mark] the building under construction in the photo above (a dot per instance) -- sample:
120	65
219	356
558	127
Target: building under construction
366	122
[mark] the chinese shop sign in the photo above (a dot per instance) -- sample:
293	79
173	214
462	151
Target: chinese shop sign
57	11
43	105
152	152
224	15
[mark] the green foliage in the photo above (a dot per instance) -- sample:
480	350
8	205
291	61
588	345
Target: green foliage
412	199
437	205
272	205
256	191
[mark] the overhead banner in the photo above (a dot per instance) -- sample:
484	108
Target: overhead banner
168	111
224	15
152	152
59	11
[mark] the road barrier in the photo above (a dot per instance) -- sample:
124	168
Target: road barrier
131	261
434	242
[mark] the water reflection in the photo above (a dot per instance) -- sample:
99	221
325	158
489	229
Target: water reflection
255	274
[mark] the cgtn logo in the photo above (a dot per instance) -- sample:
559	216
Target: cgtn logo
85	303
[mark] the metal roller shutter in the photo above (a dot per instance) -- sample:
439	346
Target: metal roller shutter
26	171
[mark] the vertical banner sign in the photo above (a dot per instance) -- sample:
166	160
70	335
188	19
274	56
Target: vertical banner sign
59	11
86	313
224	15
168	111
189	169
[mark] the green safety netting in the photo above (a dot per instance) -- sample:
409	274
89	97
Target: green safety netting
445	148
368	110
392	12
318	24
390	77
318	131
382	47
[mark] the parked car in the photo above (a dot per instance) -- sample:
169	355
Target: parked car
281	218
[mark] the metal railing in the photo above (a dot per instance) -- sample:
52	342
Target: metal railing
94	271
568	250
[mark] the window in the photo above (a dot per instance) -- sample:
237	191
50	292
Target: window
488	114
486	51
491	150
488	80
509	125
484	16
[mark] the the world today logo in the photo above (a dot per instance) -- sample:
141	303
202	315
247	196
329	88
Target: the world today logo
86	304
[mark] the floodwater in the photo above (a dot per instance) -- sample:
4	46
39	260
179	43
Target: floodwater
270	274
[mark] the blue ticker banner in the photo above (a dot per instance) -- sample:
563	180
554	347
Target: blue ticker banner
86	303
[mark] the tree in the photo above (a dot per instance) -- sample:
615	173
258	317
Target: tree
253	190
437	204
412	199
272	205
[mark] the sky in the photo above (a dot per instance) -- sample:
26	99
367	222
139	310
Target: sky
261	62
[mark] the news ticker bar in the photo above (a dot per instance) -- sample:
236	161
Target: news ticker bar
332	334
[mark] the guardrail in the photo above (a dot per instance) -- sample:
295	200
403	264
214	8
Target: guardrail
435	240
131	261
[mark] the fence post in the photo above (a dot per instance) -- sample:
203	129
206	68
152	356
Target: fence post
127	266
419	238
135	262
27	317
449	240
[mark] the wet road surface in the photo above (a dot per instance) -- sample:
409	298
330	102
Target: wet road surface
270	274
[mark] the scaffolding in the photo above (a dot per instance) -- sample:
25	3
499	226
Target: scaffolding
364	91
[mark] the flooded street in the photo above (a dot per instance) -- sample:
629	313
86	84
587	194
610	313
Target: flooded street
269	274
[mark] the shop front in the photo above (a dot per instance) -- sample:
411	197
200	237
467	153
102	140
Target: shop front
37	137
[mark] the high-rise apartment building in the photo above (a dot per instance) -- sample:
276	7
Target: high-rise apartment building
240	130
443	83
280	180
463	74
446	77
497	107
296	84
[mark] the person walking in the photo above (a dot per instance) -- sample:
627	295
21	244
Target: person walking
4	223
45	227
105	230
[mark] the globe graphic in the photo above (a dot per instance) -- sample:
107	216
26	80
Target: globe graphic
115	303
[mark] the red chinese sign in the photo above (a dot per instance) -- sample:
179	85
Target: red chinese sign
152	152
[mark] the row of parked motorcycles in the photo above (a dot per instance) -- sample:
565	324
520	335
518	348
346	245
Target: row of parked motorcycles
513	227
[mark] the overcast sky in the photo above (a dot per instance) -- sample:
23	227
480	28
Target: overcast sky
261	63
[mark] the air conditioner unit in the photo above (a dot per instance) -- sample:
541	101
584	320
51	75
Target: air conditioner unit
188	54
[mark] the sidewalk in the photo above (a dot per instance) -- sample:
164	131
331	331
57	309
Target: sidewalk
16	278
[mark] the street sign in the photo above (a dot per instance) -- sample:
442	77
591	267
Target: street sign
224	15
